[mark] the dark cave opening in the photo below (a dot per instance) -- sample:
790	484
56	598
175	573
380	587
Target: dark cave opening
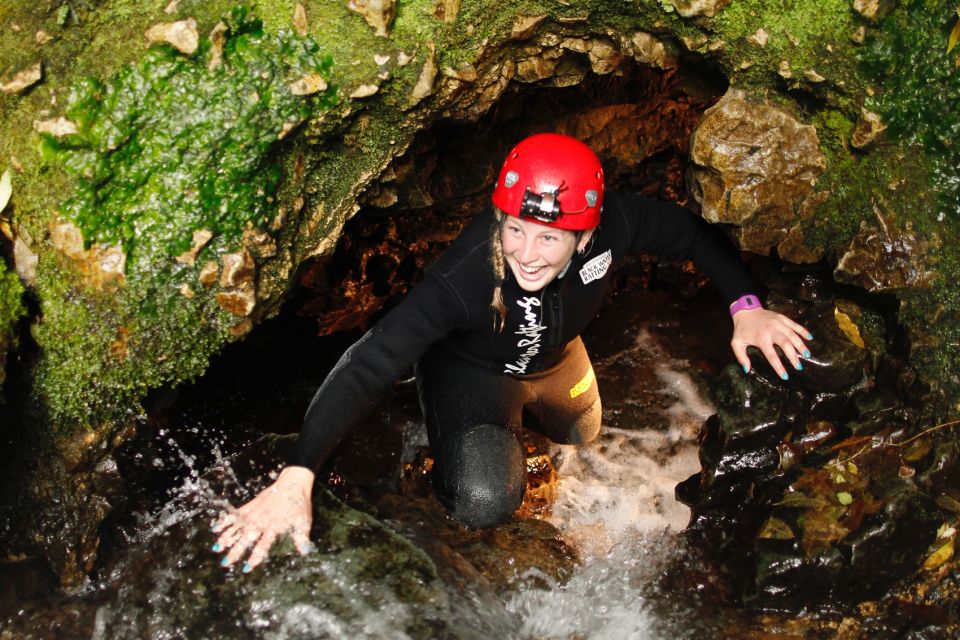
639	122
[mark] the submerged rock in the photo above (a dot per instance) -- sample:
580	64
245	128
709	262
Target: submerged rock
805	481
361	580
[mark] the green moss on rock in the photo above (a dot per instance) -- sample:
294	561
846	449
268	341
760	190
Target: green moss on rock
918	90
11	310
167	146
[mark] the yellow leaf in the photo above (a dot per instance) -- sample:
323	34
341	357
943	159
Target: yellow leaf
844	498
954	37
939	556
848	327
775	529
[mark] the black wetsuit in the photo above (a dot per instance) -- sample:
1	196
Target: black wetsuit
474	382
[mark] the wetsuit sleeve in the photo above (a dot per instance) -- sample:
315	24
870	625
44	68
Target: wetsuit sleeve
364	373
674	231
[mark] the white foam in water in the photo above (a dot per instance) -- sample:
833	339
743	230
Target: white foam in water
616	505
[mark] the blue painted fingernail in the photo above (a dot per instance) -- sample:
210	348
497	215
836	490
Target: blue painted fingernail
806	353
246	567
799	366
746	369
216	548
809	336
784	375
215	527
224	562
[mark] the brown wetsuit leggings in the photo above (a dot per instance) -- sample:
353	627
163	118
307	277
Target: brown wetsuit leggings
473	418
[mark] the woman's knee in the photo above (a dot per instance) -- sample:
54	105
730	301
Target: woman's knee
585	428
485	480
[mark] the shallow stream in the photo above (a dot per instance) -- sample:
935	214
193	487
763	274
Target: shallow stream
611	530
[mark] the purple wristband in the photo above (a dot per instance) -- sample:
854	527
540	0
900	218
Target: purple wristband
743	303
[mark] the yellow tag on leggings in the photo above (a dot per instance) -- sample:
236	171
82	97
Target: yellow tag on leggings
583	385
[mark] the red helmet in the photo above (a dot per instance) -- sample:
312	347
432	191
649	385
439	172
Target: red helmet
553	179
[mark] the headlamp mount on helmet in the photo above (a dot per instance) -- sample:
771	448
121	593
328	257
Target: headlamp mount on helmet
544	207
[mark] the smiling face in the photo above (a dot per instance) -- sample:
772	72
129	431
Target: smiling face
537	253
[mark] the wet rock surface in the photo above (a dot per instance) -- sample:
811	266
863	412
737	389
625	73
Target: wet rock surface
813	482
754	165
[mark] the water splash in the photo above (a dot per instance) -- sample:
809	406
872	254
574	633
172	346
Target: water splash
616	504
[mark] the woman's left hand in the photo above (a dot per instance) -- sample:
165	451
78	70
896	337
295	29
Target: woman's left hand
765	330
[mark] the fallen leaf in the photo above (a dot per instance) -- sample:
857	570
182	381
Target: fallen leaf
938	557
848	327
798	499
5	190
844	498
954	37
24	79
775	529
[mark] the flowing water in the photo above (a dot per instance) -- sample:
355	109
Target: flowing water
614	505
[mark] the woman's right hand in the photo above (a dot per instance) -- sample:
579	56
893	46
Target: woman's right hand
283	507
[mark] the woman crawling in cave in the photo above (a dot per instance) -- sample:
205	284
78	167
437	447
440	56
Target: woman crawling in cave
493	334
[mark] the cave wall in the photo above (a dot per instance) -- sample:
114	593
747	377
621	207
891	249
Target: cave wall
142	261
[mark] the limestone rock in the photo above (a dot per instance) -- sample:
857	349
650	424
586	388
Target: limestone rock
794	249
697	8
308	85
887	258
24	259
200	239
379	14
23	79
428	74
867	8
364	91
218	36
753	166
759	38
647	49
868	129
208	274
99	265
238	269
58	127
182	35
239	302
524	26
300	24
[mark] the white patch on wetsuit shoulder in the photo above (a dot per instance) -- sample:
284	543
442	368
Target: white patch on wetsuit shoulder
596	268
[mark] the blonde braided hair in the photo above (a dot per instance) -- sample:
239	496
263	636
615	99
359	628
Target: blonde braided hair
499	264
